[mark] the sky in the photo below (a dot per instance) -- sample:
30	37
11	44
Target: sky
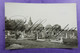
57	13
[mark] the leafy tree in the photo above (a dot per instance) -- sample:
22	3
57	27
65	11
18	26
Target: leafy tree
14	24
56	27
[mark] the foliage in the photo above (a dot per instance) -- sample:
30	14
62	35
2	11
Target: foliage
56	27
14	24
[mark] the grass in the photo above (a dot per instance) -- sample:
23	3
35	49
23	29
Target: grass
37	44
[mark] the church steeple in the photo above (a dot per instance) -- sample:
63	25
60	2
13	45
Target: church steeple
30	22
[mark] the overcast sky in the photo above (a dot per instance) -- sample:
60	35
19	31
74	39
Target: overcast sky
58	13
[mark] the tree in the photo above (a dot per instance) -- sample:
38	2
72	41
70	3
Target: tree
19	25
14	24
7	24
56	27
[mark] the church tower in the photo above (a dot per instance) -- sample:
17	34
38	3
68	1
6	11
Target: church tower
30	23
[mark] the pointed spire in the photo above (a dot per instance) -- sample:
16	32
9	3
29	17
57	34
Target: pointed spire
30	22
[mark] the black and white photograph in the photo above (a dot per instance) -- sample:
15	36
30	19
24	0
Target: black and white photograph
40	25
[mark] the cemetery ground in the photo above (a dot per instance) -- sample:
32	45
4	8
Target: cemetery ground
25	43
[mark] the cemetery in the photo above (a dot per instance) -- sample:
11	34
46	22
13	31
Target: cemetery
35	35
